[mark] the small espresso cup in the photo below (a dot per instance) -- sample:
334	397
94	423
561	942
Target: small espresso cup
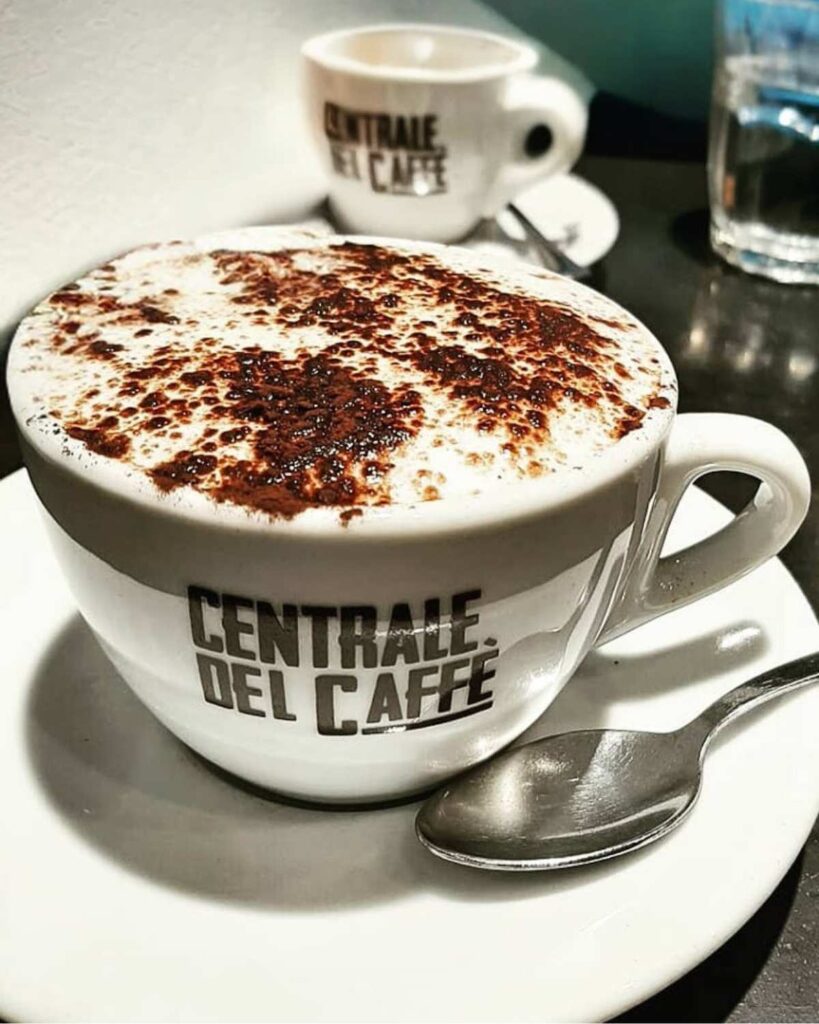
424	130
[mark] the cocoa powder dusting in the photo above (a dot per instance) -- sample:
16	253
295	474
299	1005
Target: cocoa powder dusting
101	440
281	432
313	422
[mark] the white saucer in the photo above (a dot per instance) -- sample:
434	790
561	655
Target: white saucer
568	210
574	214
137	884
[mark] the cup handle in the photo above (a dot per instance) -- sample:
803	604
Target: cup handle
703	443
547	128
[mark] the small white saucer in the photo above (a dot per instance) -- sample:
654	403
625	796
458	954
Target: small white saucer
137	884
567	209
574	214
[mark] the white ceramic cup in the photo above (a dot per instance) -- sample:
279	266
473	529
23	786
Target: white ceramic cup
424	130
373	661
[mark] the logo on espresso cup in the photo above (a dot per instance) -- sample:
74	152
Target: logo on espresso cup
397	154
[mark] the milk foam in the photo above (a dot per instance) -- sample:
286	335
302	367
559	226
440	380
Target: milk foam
88	360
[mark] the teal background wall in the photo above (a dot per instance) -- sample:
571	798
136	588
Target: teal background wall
657	53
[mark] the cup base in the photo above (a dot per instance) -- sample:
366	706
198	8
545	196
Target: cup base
314	803
446	227
777	266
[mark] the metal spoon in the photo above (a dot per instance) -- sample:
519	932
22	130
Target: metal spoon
581	797
554	255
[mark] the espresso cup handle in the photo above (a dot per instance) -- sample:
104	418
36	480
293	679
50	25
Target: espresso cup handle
702	443
547	122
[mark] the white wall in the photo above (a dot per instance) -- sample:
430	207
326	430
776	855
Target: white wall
125	121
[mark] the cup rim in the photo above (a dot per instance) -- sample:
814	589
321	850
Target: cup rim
518	501
525	57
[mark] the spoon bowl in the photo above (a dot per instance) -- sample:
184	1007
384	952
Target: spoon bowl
561	801
580	797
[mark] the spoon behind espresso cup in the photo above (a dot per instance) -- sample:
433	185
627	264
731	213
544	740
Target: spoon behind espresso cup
580	797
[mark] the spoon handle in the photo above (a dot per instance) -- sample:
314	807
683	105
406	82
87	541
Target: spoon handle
773	683
564	264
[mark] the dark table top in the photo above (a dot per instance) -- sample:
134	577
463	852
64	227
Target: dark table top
739	344
746	345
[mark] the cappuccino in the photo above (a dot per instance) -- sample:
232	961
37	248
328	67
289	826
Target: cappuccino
332	375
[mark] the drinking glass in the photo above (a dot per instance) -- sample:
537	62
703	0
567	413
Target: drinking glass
763	162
